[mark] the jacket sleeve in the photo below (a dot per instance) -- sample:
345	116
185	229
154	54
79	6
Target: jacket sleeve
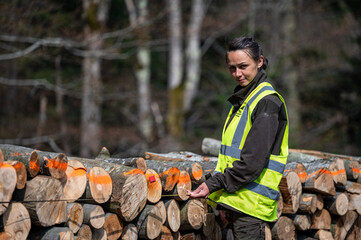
256	149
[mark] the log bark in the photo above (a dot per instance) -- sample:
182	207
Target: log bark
192	215
99	187
210	146
130	232
192	167
298	168
94	215
103	154
85	232
43	197
149	222
75	181
179	156
344	224
172	215
351	187
165	234
189	236
8	181
319	178
16	221
113	226
99	234
154	185
21	173
308	203
352	168
29	157
291	189
60	233
169	178
321	220
141	164
301	222
284	229
75	216
337	205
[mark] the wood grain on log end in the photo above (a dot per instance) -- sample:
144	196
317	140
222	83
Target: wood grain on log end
154	186
130	232
75	216
100	184
21	173
8	180
56	166
113	226
173	214
16	221
169	178
75	181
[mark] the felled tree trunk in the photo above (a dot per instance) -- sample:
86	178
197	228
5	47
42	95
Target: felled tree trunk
8	181
337	205
169	178
21	174
344	224
75	181
113	226
60	233
154	186
165	234
16	221
172	215
308	203
85	232
321	220
354	202
352	168
99	234
301	222
75	216
37	197
163	211
94	215
149	222
183	185
192	215
298	168
130	232
284	229
291	189
211	229
99	187
319	178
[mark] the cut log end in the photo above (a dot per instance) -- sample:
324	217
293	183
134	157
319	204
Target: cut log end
57	166
169	178
154	186
100	184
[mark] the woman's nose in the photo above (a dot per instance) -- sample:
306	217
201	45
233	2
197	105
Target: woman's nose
238	72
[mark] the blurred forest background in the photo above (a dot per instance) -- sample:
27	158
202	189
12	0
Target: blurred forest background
140	75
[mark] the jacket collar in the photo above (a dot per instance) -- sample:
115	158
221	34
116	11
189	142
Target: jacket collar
240	93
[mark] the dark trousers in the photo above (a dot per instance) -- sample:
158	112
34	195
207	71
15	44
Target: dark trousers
246	227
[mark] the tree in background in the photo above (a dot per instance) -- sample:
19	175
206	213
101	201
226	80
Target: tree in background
95	15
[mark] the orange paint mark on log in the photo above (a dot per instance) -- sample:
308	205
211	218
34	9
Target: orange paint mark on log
18	165
99	179
6	165
208	170
356	170
324	171
16	154
302	175
197	174
335	173
134	171
184	178
53	163
34	166
77	173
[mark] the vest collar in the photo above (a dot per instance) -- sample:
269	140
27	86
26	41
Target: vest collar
241	93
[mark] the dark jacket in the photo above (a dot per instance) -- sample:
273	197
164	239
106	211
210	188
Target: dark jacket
269	121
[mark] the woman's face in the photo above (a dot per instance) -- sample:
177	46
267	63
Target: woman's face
242	67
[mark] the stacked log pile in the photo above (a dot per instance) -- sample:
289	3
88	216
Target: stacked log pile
47	195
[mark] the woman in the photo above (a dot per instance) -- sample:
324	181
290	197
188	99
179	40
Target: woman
254	146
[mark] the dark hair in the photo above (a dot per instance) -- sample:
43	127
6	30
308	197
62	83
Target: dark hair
247	44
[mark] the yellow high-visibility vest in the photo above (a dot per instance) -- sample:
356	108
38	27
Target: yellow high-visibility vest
259	198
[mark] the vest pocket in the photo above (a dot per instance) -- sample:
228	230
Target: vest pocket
266	207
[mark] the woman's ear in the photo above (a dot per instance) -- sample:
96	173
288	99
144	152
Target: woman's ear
260	62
